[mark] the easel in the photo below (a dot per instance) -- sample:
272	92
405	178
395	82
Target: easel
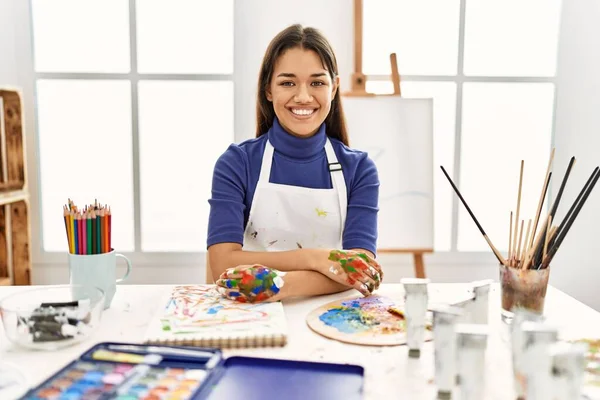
358	88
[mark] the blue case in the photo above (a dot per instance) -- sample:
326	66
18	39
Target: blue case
234	377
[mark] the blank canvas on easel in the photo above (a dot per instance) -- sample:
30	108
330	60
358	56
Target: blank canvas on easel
398	135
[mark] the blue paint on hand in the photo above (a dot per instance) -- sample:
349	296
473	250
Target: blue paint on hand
257	289
274	289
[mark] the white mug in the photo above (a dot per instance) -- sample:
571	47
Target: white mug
97	270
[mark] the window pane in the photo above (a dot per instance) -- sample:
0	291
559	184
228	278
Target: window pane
444	110
502	125
85	154
423	34
527	48
186	36
81	36
184	128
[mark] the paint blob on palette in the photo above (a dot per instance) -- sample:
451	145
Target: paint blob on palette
93	381
362	320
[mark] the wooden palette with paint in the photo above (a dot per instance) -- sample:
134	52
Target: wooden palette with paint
363	320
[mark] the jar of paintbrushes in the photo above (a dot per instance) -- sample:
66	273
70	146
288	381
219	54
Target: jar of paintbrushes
525	271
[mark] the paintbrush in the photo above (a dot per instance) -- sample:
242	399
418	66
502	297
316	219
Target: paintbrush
496	252
538	252
565	225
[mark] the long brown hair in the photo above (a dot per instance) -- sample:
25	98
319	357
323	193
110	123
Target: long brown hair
297	36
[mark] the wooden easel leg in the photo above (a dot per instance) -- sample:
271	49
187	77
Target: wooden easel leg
419	265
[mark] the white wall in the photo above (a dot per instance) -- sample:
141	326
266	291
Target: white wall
576	269
8	55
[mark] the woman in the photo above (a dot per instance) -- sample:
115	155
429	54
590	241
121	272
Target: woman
285	204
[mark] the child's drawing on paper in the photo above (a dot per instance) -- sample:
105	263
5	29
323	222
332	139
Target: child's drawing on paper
197	308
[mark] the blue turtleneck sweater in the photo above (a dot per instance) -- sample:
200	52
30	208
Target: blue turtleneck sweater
296	162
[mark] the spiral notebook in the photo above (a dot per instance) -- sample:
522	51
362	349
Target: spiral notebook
197	315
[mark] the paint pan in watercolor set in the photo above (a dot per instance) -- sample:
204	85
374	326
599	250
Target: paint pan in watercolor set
127	371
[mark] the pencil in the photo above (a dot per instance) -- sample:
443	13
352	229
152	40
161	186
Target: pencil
99	232
88	227
66	218
109	230
76	234
84	230
94	233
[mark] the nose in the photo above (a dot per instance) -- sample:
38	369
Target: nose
302	95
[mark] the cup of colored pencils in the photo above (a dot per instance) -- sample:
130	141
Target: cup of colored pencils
89	229
525	271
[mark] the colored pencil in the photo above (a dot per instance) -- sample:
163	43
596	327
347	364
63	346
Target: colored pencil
98	233
109	230
83	224
75	234
94	233
88	229
88	223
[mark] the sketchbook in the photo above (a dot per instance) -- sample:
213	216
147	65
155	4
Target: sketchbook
197	315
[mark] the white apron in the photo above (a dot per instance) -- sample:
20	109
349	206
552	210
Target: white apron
285	217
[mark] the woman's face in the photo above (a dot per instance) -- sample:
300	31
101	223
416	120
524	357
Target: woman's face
301	91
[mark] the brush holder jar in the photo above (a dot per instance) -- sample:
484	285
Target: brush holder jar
523	288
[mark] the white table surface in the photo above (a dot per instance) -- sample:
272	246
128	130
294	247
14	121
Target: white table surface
389	373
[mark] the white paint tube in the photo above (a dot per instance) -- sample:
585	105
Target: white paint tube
444	341
568	369
481	290
537	339
471	345
415	307
520	315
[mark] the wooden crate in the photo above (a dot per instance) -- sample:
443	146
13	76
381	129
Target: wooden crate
12	167
15	230
15	256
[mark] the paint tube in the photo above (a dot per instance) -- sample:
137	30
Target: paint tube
471	345
568	368
481	290
444	341
537	339
415	307
516	332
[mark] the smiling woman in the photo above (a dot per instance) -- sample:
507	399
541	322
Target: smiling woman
296	202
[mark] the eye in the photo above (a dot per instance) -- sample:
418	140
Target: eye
287	83
318	83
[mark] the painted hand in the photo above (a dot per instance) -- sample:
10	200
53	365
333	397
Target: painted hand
356	269
250	283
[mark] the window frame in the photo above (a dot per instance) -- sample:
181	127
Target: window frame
460	79
28	78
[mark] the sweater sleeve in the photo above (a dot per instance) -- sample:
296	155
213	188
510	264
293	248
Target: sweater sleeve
230	180
363	205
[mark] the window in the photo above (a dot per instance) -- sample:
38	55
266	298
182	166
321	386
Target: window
490	68
135	103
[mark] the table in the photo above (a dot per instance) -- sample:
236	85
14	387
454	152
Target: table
389	373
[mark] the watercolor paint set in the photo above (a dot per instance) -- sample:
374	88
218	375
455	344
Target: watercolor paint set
127	371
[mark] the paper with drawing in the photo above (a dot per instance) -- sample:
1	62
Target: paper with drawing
194	313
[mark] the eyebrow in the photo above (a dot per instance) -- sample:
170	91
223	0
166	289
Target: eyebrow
290	75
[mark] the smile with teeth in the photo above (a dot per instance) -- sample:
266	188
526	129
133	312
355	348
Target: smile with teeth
303	111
